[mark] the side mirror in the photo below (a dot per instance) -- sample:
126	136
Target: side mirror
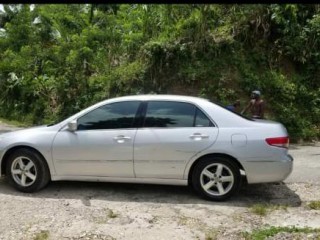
72	126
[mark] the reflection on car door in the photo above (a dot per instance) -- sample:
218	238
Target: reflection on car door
173	132
102	145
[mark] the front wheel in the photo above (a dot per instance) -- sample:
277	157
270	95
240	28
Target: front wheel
216	178
26	170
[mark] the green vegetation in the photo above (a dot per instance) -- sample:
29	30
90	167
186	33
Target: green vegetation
15	123
263	209
261	234
154	219
111	214
43	235
58	59
259	209
106	215
195	223
314	205
211	234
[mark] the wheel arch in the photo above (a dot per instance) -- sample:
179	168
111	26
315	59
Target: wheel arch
236	161
15	148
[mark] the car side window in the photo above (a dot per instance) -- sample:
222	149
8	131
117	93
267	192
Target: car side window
110	116
169	114
202	120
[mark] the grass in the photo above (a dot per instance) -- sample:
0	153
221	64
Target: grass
108	214
43	235
261	234
315	205
112	214
259	209
189	221
211	234
15	123
154	219
263	209
183	220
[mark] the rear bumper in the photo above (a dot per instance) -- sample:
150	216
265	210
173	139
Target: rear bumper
268	171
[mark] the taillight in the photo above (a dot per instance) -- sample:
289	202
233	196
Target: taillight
278	142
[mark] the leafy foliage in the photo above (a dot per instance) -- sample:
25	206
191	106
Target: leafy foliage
261	234
58	59
314	205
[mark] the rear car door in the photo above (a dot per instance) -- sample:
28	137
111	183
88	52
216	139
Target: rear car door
171	134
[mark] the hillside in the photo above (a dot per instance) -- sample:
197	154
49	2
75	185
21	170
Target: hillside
58	59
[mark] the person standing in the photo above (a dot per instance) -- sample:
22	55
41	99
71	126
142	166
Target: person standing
256	105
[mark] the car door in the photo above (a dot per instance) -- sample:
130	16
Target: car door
102	145
172	133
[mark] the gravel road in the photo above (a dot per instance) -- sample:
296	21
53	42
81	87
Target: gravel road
80	210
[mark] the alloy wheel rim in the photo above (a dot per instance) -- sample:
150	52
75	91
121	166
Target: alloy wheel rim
23	171
216	179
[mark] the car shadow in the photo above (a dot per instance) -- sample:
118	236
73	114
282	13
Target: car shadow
272	193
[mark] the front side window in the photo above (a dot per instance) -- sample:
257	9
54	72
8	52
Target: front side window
110	116
169	114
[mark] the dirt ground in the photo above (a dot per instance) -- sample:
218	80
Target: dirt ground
80	210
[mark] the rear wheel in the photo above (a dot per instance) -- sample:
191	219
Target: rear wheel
216	178
27	171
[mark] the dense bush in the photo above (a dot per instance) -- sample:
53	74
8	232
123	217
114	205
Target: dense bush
58	59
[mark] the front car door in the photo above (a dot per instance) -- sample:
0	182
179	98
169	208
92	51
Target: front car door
172	133
102	145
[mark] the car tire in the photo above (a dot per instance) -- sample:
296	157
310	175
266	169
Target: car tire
27	171
216	178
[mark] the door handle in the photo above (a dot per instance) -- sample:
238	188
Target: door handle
121	138
198	136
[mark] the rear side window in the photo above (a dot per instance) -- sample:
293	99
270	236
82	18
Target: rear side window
202	120
174	114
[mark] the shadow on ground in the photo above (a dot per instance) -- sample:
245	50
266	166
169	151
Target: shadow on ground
276	193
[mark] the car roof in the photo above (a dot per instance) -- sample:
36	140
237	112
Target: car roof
147	97
140	97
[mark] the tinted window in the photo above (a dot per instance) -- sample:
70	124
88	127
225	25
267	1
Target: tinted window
110	116
202	120
169	114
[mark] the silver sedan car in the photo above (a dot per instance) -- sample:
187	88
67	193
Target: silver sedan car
156	139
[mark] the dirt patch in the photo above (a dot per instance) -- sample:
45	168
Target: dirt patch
78	210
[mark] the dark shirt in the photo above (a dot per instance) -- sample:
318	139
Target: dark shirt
231	108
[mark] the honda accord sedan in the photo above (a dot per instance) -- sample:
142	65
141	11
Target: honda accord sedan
156	139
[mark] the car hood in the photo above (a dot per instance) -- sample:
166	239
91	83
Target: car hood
15	133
